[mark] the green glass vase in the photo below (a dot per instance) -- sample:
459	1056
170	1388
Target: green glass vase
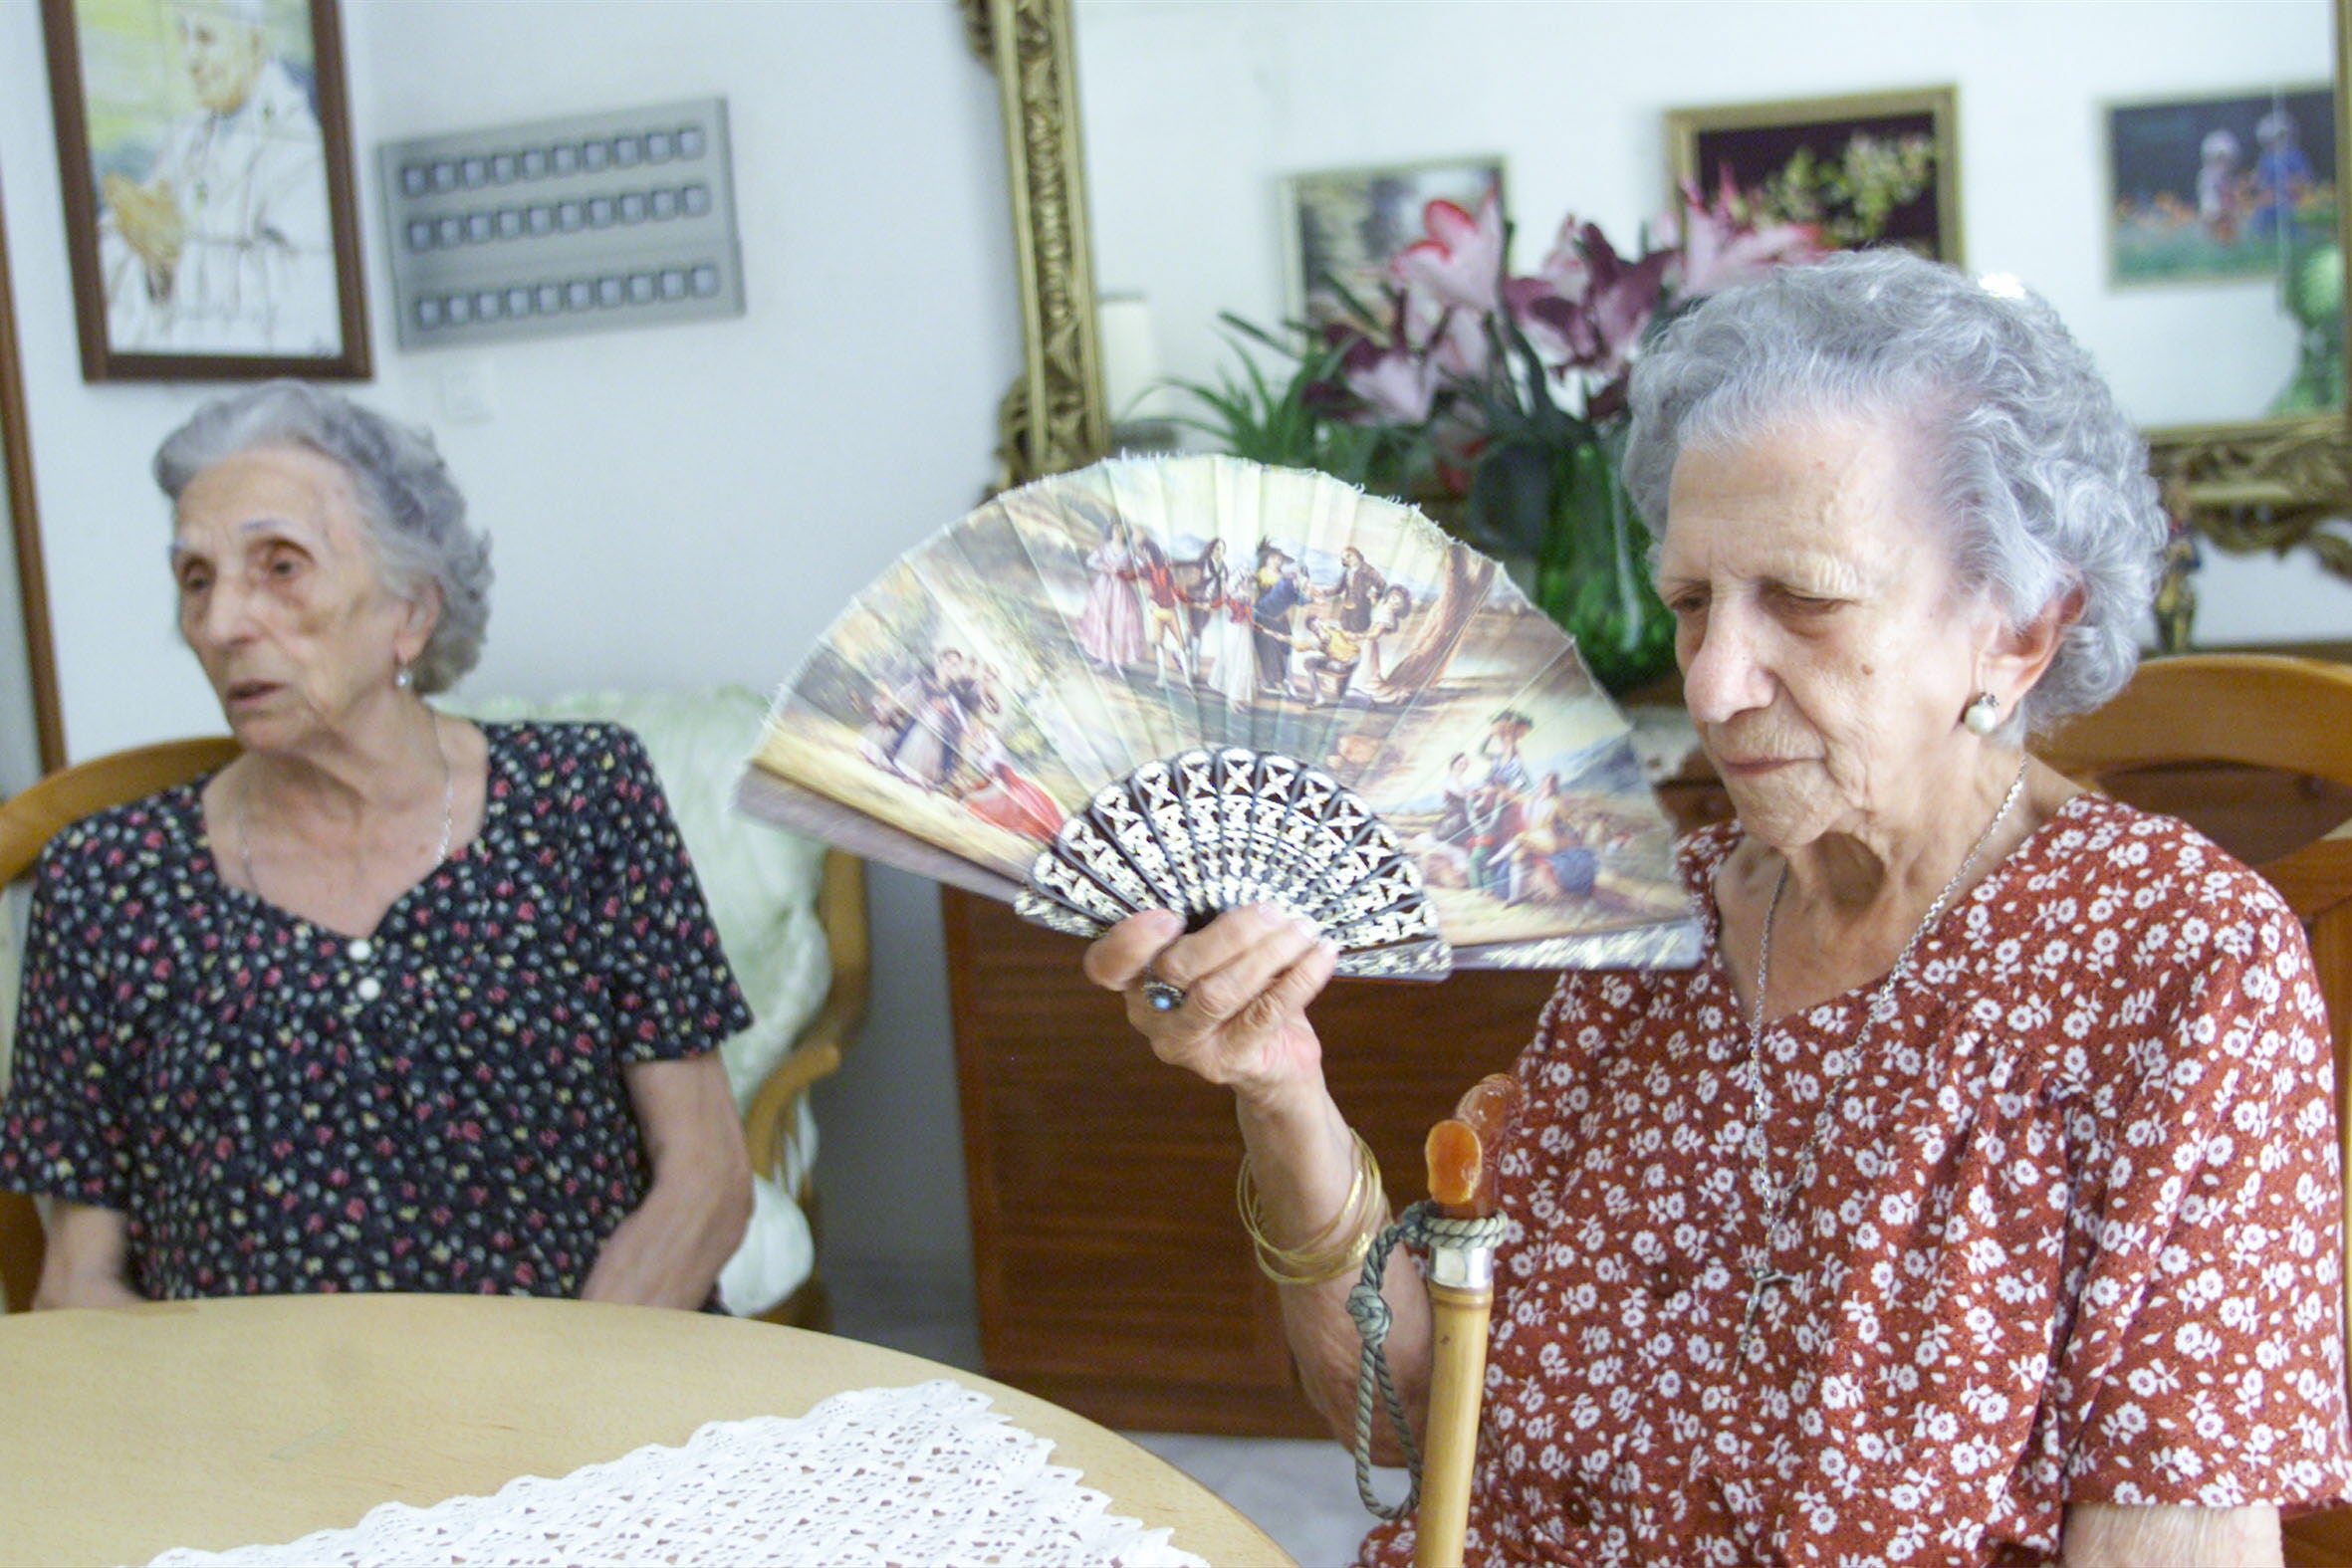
1593	576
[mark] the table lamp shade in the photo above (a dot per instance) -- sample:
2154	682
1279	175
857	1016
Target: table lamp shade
1132	388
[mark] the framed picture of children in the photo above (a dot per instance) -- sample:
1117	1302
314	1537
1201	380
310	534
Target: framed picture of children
2235	187
1863	170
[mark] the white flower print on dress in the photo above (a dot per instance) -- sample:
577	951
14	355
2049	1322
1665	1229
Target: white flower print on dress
2073	1237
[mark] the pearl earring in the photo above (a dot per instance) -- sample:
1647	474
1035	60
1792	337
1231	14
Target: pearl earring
402	679
1983	714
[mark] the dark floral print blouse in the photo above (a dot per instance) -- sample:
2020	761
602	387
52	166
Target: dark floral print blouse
275	1107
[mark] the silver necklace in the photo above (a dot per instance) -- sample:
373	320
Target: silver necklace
1761	1275
448	813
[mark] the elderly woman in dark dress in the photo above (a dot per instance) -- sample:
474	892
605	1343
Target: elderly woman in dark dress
1973	1200
393	1001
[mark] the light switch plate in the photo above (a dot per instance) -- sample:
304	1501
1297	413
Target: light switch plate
468	392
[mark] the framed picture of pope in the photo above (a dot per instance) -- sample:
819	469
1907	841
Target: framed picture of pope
205	153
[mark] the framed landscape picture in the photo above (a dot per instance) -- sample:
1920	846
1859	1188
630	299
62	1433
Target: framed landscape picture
2235	187
206	152
1342	226
1871	169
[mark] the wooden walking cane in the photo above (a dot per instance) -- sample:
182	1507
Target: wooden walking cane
1461	1151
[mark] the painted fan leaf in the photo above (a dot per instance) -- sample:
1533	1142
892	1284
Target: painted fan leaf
1198	682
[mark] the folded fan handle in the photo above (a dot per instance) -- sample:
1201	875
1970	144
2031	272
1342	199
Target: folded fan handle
1461	1153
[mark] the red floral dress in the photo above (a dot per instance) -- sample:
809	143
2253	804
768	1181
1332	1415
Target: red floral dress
2073	1235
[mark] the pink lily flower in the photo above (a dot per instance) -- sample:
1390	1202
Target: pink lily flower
1449	280
1461	349
1459	260
1400	386
1589	307
1387	377
1453	339
1563	265
1719	249
1553	322
1623	298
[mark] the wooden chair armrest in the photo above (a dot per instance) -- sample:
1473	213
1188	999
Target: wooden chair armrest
817	1054
22	1247
2318	1540
817	1051
2316	877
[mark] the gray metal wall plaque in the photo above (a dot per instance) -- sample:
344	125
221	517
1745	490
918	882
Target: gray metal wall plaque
618	219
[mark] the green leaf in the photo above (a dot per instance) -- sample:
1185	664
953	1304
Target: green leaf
1511	488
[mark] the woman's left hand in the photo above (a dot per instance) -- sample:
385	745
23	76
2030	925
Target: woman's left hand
1244	981
87	1259
670	1248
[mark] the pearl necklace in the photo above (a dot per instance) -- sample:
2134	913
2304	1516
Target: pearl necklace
449	813
1761	1275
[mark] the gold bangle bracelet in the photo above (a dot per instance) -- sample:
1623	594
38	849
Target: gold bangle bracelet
1338	1248
1321	1270
1252	1212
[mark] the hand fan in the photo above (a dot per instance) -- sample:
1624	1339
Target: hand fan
1196	682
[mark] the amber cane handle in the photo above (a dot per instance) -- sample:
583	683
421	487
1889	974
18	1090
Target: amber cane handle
1461	1154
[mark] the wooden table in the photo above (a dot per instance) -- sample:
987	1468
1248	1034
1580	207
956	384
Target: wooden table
225	1424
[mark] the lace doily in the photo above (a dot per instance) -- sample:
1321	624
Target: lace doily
921	1474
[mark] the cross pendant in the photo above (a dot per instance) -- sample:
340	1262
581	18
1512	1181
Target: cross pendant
1762	1276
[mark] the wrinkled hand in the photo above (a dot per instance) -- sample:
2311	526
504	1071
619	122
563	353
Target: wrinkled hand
1247	979
148	219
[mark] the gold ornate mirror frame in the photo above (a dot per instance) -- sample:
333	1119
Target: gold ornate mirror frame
2260	484
1054	417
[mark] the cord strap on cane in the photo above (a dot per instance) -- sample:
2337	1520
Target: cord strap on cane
1421	1227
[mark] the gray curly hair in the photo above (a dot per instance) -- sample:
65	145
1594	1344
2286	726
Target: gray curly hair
409	507
2042	482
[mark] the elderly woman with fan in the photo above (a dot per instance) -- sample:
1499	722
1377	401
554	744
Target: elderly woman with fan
392	1002
1973	1199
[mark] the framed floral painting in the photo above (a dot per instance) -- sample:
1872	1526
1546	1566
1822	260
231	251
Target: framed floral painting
205	152
1342	227
1870	168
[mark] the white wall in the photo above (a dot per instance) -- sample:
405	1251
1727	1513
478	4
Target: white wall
1575	96
670	506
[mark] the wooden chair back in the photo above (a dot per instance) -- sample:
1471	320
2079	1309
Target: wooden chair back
27	822
2266	743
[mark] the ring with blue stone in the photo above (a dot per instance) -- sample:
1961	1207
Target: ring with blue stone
1163	996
